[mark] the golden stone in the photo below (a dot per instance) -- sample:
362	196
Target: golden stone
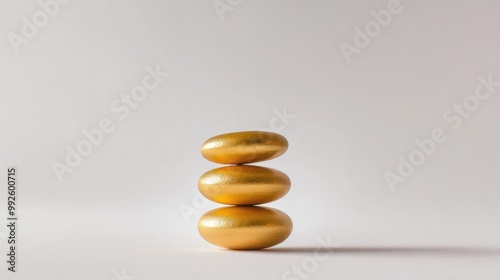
245	227
244	185
244	147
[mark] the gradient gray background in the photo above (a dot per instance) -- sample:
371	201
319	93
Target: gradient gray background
120	207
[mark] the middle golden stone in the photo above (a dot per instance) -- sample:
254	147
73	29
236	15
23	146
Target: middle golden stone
244	185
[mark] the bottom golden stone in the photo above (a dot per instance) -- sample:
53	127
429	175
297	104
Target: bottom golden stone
245	227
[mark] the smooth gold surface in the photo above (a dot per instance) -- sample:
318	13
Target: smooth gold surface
245	227
244	185
244	147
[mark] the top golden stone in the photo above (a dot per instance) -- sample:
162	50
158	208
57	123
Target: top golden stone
244	147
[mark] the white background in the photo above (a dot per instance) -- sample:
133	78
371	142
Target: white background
120	208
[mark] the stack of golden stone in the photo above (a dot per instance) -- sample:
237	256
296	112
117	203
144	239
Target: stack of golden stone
244	226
